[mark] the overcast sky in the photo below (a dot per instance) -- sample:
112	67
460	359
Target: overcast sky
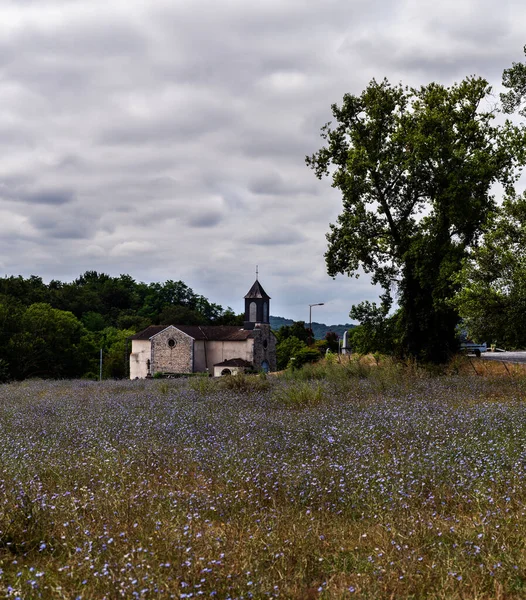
166	139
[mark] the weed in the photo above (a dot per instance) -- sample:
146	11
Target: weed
300	395
202	385
244	383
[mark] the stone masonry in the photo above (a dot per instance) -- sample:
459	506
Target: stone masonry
172	352
264	346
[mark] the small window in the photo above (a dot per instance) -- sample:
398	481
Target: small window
265	344
171	343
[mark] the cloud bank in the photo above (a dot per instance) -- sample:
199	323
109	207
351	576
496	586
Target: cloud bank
167	139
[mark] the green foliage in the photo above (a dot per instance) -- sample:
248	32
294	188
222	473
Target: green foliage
304	356
56	330
514	79
332	339
116	347
416	168
377	331
181	314
492	294
319	330
50	343
286	349
202	385
4	371
296	330
93	321
299	395
244	383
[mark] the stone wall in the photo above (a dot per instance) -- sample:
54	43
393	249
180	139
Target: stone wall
172	352
264	346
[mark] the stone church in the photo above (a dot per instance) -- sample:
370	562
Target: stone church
214	349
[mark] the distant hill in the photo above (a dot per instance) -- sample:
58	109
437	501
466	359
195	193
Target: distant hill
318	329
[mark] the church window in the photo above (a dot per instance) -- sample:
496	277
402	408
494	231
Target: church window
265	344
171	343
252	312
265	312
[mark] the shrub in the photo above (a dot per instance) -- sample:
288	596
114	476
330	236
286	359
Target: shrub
298	395
202	385
244	383
304	356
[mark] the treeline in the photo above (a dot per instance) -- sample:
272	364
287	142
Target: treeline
57	329
319	330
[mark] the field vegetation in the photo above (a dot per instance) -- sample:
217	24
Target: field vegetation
371	479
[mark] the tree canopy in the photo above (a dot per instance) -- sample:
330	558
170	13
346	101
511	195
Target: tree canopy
416	169
492	283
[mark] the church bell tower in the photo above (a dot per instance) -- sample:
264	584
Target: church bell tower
257	306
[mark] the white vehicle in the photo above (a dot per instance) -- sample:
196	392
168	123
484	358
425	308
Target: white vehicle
473	348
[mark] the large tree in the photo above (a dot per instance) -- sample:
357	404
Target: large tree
415	168
492	296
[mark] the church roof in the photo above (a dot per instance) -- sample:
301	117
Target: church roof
234	362
147	333
257	291
231	333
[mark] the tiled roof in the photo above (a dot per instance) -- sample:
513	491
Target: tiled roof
234	362
147	333
257	291
231	333
216	332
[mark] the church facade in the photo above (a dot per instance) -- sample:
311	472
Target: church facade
214	349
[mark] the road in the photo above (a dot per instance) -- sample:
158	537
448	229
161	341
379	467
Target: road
513	357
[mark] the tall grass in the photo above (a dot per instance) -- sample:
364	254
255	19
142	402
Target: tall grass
373	481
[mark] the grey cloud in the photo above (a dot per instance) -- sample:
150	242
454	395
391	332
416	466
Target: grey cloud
125	126
18	189
64	226
185	122
275	237
205	220
274	184
52	197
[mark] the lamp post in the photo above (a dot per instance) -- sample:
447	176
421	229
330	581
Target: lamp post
310	319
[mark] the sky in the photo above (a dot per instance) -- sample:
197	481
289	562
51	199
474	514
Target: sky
166	139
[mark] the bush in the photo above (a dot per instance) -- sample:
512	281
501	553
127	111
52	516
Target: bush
304	356
244	383
287	349
298	395
4	371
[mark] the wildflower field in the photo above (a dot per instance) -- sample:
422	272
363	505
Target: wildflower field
358	485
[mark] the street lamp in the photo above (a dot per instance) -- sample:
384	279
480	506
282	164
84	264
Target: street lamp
310	319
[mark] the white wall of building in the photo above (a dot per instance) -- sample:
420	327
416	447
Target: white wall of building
218	351
139	357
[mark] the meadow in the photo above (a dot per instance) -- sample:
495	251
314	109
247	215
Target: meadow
352	481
